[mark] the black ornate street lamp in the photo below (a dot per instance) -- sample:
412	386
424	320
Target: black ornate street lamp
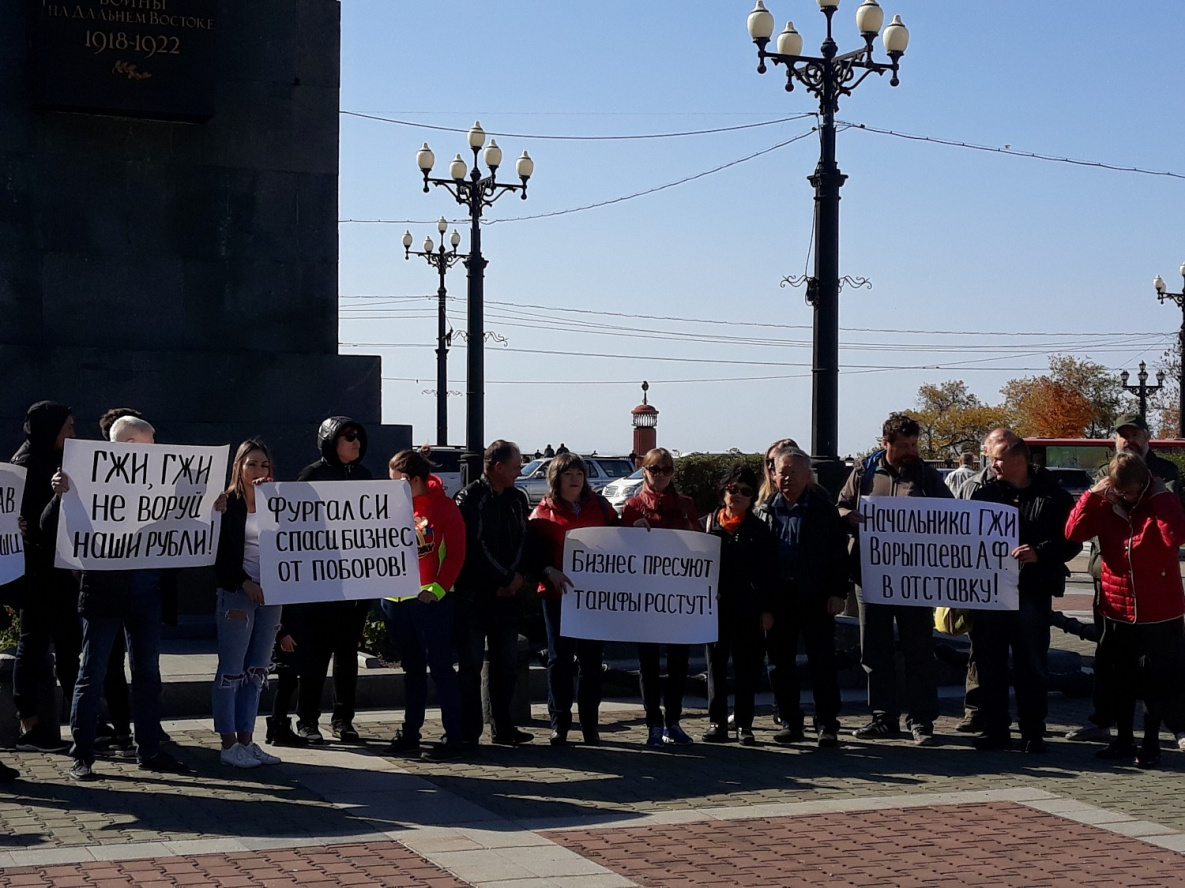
1143	390
828	76
442	260
476	192
1162	294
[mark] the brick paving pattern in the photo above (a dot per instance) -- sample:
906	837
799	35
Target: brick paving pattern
375	863
998	844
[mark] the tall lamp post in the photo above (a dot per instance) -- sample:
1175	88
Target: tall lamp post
1143	390
828	76
442	260
475	192
1162	294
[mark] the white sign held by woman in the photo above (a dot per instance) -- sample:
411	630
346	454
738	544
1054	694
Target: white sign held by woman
633	584
136	506
336	541
12	545
938	553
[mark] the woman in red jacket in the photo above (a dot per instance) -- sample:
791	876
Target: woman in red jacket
422	627
661	505
569	503
1140	526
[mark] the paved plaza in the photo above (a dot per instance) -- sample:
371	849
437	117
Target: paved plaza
869	813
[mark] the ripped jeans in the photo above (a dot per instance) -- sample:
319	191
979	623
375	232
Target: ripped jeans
246	635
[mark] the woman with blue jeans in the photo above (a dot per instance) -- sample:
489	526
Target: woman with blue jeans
247	625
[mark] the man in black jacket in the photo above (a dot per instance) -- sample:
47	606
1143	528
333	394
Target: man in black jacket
488	609
1043	550
812	574
49	609
330	628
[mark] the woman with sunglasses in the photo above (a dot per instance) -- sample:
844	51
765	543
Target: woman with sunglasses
748	569
1140	527
569	503
660	505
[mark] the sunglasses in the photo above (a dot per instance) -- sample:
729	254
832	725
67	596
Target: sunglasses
655	470
351	436
739	490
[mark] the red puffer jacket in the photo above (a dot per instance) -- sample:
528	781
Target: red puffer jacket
549	525
1141	571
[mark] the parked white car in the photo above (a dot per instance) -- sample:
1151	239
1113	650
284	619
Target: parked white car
620	491
602	470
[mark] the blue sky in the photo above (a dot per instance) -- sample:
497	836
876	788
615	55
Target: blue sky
953	239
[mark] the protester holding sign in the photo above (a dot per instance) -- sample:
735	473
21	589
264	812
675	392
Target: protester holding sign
660	505
896	471
569	503
422	627
488	608
1042	506
246	623
331	628
1140	526
812	588
111	600
49	603
748	562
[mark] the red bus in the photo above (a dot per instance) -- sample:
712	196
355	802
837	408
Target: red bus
1086	453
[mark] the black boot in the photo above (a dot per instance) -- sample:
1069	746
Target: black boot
280	733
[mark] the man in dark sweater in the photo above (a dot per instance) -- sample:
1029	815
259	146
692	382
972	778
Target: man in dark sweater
488	609
1043	550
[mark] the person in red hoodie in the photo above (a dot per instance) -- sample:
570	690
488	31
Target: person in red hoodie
1140	526
422	627
661	505
569	503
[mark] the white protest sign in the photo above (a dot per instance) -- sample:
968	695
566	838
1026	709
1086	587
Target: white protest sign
336	540
136	506
633	584
938	553
12	546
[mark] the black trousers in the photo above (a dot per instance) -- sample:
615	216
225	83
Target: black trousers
49	619
808	621
489	623
1024	632
1140	660
651	685
741	639
327	631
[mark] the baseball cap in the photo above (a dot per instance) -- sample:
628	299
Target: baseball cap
1130	419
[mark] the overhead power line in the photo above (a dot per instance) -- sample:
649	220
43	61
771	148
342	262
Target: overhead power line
562	138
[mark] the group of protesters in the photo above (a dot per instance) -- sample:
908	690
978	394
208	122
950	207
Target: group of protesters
789	556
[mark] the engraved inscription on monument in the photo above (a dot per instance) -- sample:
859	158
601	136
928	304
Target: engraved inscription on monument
139	58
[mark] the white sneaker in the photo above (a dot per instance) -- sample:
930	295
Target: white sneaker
1181	741
239	756
260	756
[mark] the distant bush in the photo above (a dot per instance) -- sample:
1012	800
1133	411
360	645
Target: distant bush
698	476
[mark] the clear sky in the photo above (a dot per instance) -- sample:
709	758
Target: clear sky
961	245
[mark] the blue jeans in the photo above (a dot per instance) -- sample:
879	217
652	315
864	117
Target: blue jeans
246	635
423	634
141	625
564	656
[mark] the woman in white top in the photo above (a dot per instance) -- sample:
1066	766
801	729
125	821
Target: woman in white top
247	625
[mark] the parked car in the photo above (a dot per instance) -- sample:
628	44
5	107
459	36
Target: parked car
602	470
1075	481
623	489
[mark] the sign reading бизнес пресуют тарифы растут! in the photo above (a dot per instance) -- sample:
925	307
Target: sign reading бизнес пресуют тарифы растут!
634	584
336	540
938	553
12	543
137	506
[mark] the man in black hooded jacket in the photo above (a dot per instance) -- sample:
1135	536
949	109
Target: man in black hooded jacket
327	628
49	611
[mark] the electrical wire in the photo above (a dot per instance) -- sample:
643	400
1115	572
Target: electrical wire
620	138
